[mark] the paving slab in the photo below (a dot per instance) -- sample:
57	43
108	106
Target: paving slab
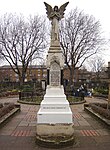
103	132
102	139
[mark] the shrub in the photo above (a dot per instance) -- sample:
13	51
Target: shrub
101	91
26	88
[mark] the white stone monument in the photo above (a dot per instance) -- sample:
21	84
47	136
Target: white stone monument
55	118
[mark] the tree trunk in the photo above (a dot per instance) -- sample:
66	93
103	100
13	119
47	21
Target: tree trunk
21	80
71	75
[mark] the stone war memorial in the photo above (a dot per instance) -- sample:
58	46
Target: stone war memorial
55	119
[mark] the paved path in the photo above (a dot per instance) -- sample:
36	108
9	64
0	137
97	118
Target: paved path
19	132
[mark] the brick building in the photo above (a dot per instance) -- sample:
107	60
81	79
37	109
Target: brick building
39	73
33	72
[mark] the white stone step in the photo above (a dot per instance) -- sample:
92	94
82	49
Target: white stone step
54	117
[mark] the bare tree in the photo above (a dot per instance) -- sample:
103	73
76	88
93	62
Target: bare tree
97	64
21	41
80	38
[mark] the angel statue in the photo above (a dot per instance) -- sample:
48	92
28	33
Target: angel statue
55	14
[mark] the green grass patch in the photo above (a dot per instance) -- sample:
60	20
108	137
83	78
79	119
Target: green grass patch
74	99
36	99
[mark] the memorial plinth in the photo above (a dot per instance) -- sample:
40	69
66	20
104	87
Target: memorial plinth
54	108
55	118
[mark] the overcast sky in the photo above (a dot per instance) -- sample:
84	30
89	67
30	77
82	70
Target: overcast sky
100	9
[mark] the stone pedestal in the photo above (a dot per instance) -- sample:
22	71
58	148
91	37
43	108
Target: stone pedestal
54	108
54	118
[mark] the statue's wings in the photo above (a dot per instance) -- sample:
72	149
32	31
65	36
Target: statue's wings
48	8
63	8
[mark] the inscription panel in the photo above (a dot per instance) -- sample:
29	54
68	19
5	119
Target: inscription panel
55	74
55	78
54	107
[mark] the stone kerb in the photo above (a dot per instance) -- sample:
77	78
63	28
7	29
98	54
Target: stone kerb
9	115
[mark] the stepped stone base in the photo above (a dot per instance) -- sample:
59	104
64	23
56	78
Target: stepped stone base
54	108
55	119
